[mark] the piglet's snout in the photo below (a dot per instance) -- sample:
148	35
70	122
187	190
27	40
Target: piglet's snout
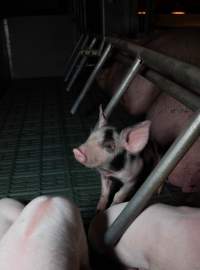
79	155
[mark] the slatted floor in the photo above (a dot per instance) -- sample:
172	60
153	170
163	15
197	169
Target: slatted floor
37	134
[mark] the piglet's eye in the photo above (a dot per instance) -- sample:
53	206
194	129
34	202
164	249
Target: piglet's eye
109	146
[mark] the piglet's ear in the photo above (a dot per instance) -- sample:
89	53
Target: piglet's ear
102	119
135	139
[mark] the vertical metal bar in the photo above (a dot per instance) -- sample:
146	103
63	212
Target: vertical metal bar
103	18
123	86
84	16
78	11
82	63
74	8
8	47
78	14
103	27
91	78
82	19
154	180
74	52
76	58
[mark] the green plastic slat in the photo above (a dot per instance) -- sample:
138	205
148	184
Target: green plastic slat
37	136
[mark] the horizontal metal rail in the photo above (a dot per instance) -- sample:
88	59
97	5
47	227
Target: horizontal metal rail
186	97
177	150
189	99
180	72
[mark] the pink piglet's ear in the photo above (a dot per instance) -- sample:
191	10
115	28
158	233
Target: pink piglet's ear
102	119
136	138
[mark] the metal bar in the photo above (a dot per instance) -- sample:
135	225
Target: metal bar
101	46
84	16
74	52
76	9
79	68
189	99
186	97
103	18
79	15
8	47
133	70
76	58
154	180
91	78
182	73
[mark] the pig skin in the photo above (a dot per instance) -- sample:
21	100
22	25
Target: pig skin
48	234
161	238
173	116
10	209
167	115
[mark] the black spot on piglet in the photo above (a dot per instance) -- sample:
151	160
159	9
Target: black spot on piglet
118	161
108	135
108	141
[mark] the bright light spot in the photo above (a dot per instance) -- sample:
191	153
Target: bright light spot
141	13
178	12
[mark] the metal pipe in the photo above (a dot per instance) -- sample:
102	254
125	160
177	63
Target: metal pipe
74	52
82	63
76	58
76	10
182	73
79	15
103	30
91	78
189	99
177	150
186	97
84	16
101	47
103	18
133	70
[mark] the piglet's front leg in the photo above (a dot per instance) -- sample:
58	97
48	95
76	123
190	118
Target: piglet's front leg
124	191
105	192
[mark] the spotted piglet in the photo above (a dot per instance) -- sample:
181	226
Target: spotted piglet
114	155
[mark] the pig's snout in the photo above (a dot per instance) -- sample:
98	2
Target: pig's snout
79	155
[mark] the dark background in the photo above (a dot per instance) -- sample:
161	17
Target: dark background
43	33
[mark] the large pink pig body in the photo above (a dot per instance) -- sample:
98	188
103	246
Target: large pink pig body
49	235
161	238
10	209
167	115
